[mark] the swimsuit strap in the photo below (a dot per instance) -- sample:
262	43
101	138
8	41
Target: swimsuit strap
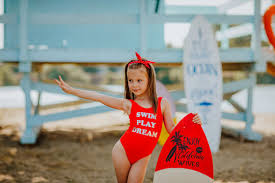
159	100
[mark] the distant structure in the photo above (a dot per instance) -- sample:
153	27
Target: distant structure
109	32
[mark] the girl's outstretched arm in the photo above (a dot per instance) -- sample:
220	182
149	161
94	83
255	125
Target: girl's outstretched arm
113	102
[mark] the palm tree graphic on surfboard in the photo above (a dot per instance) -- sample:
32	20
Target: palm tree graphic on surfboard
179	145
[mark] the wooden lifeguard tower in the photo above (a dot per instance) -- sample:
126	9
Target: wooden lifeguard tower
109	32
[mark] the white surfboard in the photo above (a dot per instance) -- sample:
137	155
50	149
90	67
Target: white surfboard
203	78
163	92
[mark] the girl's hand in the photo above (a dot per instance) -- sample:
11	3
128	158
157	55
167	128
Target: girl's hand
196	118
64	86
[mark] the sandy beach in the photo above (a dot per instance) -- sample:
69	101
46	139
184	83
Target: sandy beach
79	150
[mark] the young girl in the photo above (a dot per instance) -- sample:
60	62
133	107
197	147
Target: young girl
146	112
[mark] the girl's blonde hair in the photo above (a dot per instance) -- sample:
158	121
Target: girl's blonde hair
151	82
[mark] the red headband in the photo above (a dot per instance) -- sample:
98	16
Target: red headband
146	62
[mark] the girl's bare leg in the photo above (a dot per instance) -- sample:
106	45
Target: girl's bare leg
121	163
138	170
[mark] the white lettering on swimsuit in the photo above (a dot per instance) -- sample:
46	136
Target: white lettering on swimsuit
146	115
146	124
145	132
142	123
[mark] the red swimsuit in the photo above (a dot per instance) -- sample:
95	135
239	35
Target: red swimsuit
142	136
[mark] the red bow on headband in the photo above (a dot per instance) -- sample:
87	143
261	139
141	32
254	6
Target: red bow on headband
146	62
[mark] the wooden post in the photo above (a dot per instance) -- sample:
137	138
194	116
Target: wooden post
256	38
25	65
142	28
249	118
224	41
30	134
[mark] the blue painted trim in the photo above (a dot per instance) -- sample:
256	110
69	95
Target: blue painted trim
37	18
249	116
227	87
231	4
238	85
234	116
253	136
224	40
9	55
63	18
260	65
51	88
180	9
238	31
216	19
8	19
169	55
23	40
30	134
181	108
142	27
83	55
177	95
46	87
25	65
38	120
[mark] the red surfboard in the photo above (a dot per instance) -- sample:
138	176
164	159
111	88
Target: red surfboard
186	155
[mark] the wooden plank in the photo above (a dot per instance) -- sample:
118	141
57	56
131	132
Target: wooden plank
38	120
231	4
63	18
215	19
239	31
120	55
182	9
238	85
64	104
268	54
38	66
142	27
25	65
260	65
50	86
8	19
236	105
9	55
234	116
47	18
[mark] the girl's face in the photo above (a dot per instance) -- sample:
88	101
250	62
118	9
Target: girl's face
137	81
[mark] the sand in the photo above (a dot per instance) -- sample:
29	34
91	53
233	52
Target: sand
78	150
